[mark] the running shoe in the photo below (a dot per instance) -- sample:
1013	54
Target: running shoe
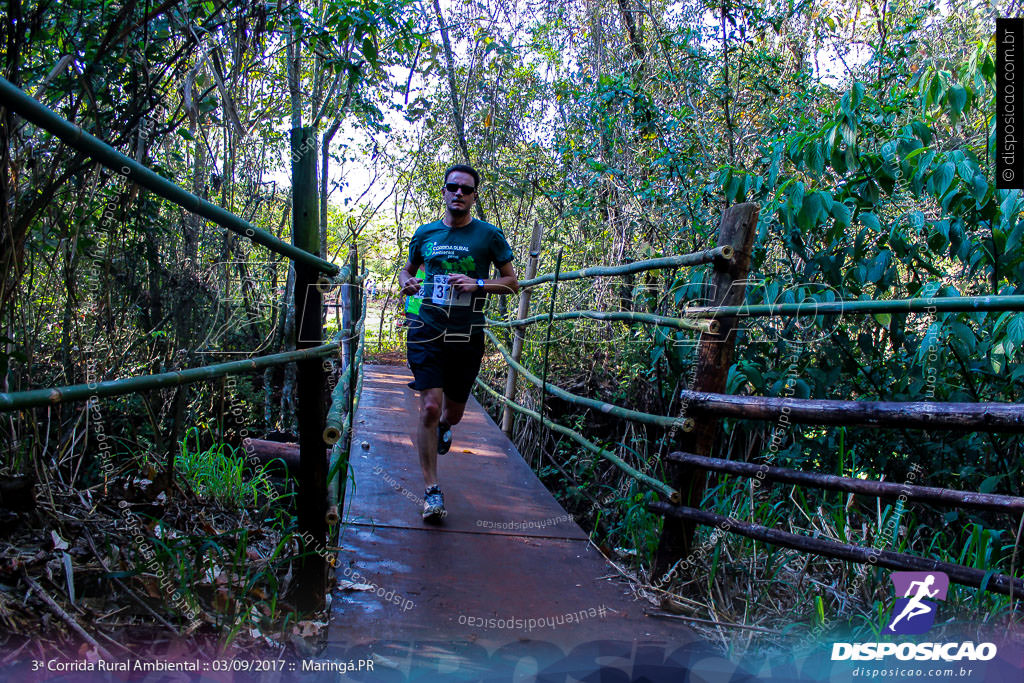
444	437
433	505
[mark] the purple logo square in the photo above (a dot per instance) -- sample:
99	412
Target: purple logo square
916	593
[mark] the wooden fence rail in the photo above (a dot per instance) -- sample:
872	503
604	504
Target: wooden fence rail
968	576
866	487
977	417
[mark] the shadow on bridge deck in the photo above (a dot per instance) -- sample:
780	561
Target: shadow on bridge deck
497	582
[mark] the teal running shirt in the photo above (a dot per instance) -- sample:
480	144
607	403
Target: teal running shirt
470	250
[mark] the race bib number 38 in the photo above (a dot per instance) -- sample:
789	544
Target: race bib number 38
445	294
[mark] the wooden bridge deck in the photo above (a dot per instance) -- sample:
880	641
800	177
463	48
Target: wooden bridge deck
459	598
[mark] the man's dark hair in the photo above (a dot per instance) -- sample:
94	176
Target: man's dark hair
464	168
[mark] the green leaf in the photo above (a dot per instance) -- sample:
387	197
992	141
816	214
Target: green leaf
883	319
370	50
849	133
998	356
980	187
957	98
990	483
1008	207
942	178
1015	330
870	220
922	131
817	159
734	187
964	335
810	212
841	213
796	196
1013	241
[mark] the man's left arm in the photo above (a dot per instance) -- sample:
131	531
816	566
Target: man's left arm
506	283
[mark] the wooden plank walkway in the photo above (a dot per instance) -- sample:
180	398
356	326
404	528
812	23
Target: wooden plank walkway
508	572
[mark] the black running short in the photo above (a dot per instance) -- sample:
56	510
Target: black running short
446	361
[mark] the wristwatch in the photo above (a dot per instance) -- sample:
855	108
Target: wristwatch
479	284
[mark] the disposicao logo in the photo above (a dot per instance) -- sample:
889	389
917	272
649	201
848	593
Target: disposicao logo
913	614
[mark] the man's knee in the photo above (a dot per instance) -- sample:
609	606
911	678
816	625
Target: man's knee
430	412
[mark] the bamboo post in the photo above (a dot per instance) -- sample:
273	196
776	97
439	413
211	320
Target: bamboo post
347	319
354	301
310	381
941	304
547	343
715	355
339	469
519	334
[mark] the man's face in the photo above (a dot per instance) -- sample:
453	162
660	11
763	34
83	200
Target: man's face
459	202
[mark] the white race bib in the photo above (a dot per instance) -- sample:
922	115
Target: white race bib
445	294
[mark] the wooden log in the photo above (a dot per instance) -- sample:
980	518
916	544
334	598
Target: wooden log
715	354
275	454
266	452
875	489
968	576
975	417
17	493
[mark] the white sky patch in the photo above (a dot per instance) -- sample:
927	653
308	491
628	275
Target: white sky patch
831	71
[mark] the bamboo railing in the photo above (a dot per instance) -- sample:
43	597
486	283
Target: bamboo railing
313	275
131	385
942	304
73	136
695	259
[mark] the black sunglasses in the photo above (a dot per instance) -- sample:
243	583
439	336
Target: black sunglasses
466	189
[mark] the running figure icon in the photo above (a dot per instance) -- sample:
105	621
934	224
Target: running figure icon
914	606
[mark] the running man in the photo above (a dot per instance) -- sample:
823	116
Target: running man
445	342
914	606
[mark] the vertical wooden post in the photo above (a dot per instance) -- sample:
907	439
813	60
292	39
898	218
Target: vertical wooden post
714	358
310	580
520	332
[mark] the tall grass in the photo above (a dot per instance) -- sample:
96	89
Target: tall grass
218	472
